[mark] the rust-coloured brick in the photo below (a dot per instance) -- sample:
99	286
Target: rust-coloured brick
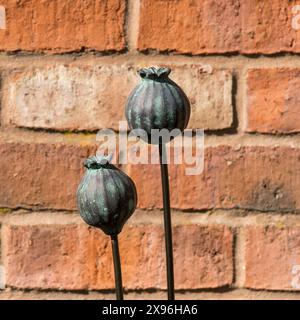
62	25
217	27
256	178
189	26
272	258
41	175
273	100
36	255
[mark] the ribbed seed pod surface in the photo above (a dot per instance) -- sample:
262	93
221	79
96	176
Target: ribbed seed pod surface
157	103
106	196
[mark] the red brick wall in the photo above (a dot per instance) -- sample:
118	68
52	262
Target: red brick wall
66	68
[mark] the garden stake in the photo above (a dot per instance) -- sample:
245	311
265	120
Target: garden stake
167	221
159	103
117	267
106	198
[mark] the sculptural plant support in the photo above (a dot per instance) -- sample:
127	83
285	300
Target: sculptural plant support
106	196
106	199
117	267
167	221
158	103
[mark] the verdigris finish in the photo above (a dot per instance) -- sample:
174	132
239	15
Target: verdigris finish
157	102
106	196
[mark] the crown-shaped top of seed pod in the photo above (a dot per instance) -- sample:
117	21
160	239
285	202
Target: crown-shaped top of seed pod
98	161
154	72
158	103
106	196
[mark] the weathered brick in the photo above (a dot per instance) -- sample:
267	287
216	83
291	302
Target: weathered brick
269	110
68	98
267	26
205	27
41	175
189	26
65	97
210	94
232	178
259	178
272	258
36	254
61	25
203	256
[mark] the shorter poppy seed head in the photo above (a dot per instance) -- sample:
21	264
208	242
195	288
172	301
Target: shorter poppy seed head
98	161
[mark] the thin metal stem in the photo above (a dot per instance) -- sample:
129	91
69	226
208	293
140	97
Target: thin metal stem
117	267
167	221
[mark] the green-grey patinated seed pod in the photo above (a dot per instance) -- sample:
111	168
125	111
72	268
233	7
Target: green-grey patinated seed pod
106	196
157	103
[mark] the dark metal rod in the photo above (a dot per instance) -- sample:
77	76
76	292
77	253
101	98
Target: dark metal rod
167	221
117	267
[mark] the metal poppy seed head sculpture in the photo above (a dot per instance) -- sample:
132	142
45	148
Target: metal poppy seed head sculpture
157	103
106	196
